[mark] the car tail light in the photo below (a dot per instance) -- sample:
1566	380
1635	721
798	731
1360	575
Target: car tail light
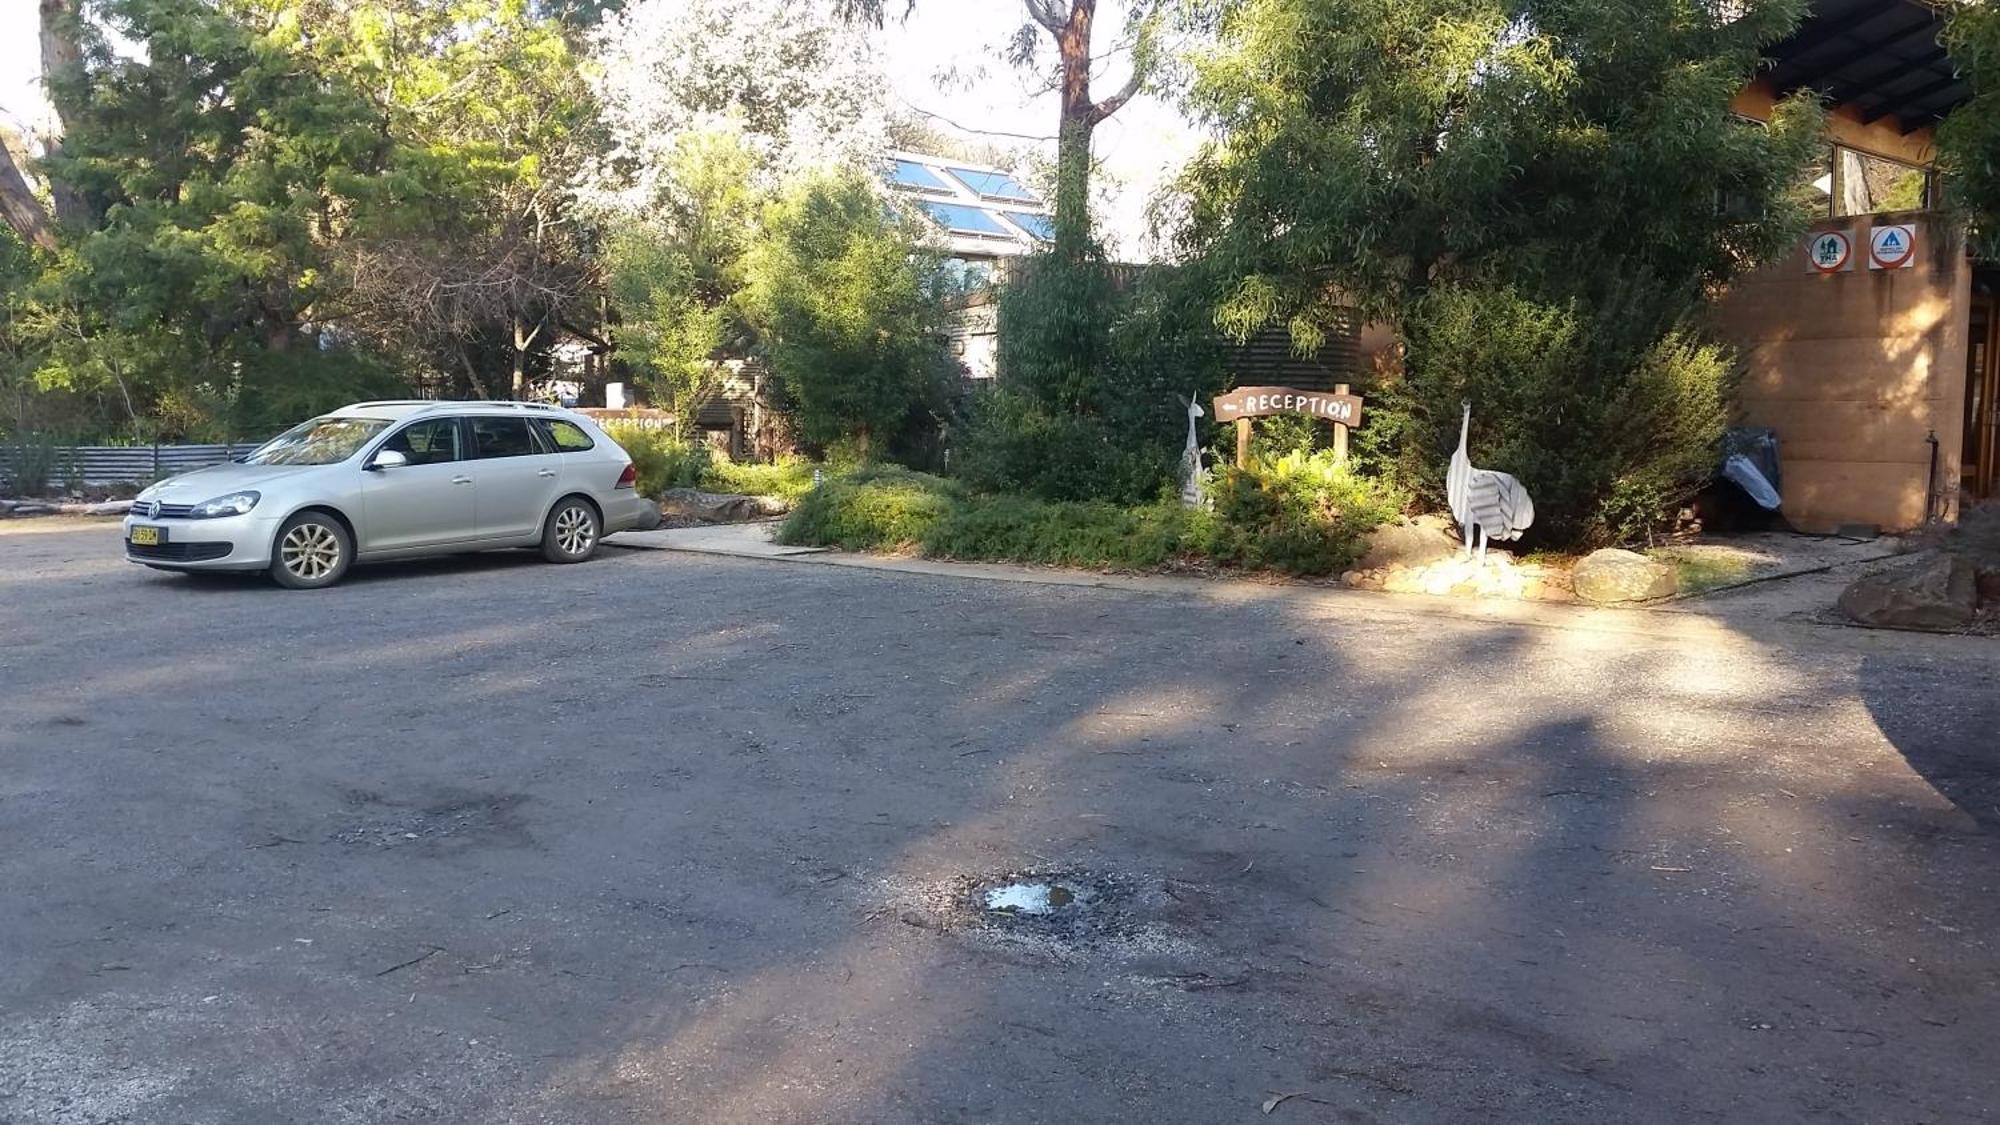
629	478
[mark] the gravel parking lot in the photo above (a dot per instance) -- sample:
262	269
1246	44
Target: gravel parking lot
676	838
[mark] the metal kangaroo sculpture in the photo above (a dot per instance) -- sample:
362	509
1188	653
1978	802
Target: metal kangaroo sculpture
1191	459
1493	502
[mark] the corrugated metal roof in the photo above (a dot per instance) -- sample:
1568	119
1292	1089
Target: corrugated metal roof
1880	56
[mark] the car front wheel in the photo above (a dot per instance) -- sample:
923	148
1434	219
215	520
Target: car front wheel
313	550
572	532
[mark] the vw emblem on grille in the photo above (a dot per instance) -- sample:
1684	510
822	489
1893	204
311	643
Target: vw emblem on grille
144	507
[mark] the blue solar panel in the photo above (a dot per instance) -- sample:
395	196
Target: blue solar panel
995	185
909	173
968	220
1041	226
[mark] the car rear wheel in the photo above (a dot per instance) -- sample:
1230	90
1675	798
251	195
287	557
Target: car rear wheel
572	532
313	550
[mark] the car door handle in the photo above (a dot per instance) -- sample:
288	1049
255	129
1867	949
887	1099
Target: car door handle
461	480
545	472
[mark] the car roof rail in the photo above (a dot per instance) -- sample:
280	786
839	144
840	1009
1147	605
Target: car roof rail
501	404
424	405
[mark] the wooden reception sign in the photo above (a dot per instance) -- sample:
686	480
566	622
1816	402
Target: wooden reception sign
1258	402
1245	403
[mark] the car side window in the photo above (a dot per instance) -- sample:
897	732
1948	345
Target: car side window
430	442
503	437
568	437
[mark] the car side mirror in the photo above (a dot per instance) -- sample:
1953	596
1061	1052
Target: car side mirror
388	459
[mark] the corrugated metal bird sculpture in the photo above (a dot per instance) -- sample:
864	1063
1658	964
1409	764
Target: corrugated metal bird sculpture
1493	502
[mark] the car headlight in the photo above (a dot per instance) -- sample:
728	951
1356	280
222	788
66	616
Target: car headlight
234	504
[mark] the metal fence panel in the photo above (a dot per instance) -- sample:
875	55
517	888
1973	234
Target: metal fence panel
120	464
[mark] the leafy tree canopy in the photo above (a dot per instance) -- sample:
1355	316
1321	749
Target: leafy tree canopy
1370	148
848	305
677	273
296	201
1969	140
802	87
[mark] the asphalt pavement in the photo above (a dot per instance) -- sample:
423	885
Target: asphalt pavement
680	838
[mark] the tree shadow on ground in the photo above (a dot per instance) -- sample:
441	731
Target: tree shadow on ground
1946	727
677	852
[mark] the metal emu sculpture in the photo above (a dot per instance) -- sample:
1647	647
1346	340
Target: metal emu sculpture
1493	502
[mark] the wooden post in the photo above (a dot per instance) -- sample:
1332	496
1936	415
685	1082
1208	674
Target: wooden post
1243	443
1340	431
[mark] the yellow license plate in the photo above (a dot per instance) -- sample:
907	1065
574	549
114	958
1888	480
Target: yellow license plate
147	536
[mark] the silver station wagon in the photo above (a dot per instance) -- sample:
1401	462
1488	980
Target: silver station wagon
392	480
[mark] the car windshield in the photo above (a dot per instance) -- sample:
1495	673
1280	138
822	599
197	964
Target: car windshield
322	441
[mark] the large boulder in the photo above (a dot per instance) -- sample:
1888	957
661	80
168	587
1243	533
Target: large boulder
718	507
1941	594
1612	575
1413	543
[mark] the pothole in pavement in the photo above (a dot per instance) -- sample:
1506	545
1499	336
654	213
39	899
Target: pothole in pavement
1141	928
1060	912
1076	908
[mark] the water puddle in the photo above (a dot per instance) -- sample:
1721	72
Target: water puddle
1035	897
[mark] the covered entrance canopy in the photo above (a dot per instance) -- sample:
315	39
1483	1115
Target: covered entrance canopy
1879	57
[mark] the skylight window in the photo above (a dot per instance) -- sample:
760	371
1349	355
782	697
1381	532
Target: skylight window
967	220
910	174
1041	226
995	185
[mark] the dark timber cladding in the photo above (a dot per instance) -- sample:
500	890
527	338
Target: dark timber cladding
1268	358
1880	56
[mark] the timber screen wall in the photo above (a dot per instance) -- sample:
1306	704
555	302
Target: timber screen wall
1854	370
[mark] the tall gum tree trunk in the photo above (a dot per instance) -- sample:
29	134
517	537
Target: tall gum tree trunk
62	65
19	206
1070	25
1068	22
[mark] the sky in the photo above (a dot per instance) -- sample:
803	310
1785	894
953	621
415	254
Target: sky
1137	148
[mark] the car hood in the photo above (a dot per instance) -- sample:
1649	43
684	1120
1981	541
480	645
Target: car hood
220	480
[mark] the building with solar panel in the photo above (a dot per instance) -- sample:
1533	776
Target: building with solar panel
983	216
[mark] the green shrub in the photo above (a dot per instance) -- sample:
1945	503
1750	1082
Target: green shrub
1087	534
31	462
848	303
789	477
875	509
1093	374
1015	444
662	459
1611	413
1299	515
